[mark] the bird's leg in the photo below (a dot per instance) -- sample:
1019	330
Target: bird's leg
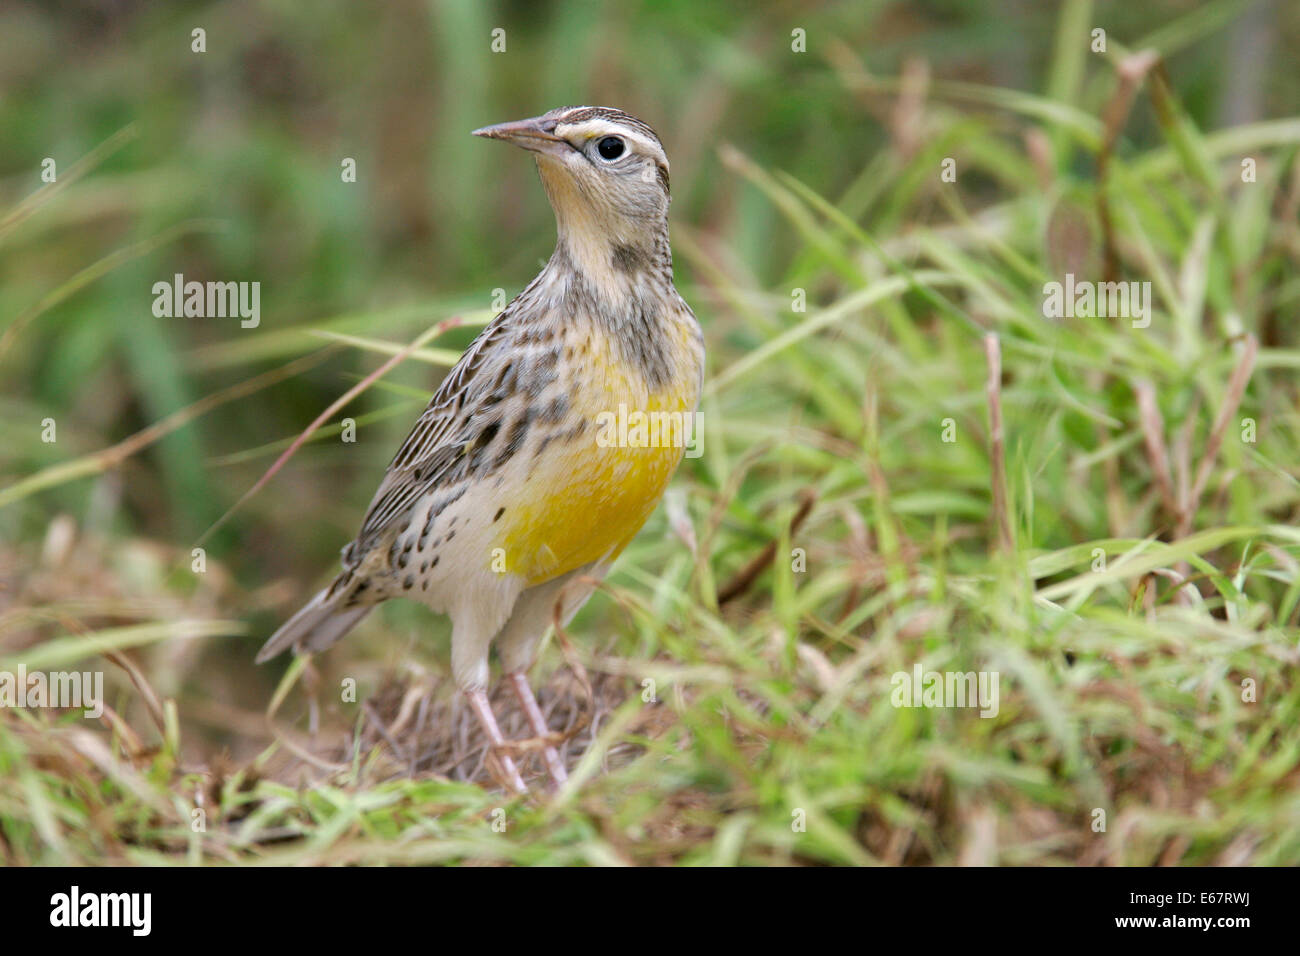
528	702
483	710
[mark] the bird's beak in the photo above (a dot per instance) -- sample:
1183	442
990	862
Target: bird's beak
536	134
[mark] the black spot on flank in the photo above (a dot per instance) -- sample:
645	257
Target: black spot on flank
530	335
424	567
450	535
515	439
627	259
540	373
479	457
555	412
497	516
435	563
409	582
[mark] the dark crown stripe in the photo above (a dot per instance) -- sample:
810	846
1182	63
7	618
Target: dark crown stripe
572	115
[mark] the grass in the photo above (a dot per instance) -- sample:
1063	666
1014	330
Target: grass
917	468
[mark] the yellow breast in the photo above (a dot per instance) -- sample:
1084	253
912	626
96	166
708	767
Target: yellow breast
587	494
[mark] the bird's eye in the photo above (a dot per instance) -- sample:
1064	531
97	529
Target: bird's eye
611	147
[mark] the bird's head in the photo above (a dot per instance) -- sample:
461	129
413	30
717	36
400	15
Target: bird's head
605	173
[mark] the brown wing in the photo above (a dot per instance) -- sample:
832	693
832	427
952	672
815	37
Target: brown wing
436	443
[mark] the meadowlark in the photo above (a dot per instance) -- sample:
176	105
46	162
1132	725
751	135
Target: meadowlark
508	502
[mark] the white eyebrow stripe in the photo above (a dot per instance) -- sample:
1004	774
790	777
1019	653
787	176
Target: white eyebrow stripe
592	128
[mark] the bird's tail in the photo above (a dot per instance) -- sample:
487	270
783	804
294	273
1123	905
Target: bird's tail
319	624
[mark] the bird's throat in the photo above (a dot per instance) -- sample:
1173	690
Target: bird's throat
597	241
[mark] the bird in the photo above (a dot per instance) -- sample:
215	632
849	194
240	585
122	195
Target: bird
511	496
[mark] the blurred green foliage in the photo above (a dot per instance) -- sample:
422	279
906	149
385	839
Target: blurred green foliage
790	171
245	142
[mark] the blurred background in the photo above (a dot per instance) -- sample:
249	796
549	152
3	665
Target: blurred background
225	165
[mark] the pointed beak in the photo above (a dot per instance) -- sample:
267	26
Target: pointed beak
536	134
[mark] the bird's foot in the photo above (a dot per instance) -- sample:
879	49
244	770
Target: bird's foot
554	766
478	700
